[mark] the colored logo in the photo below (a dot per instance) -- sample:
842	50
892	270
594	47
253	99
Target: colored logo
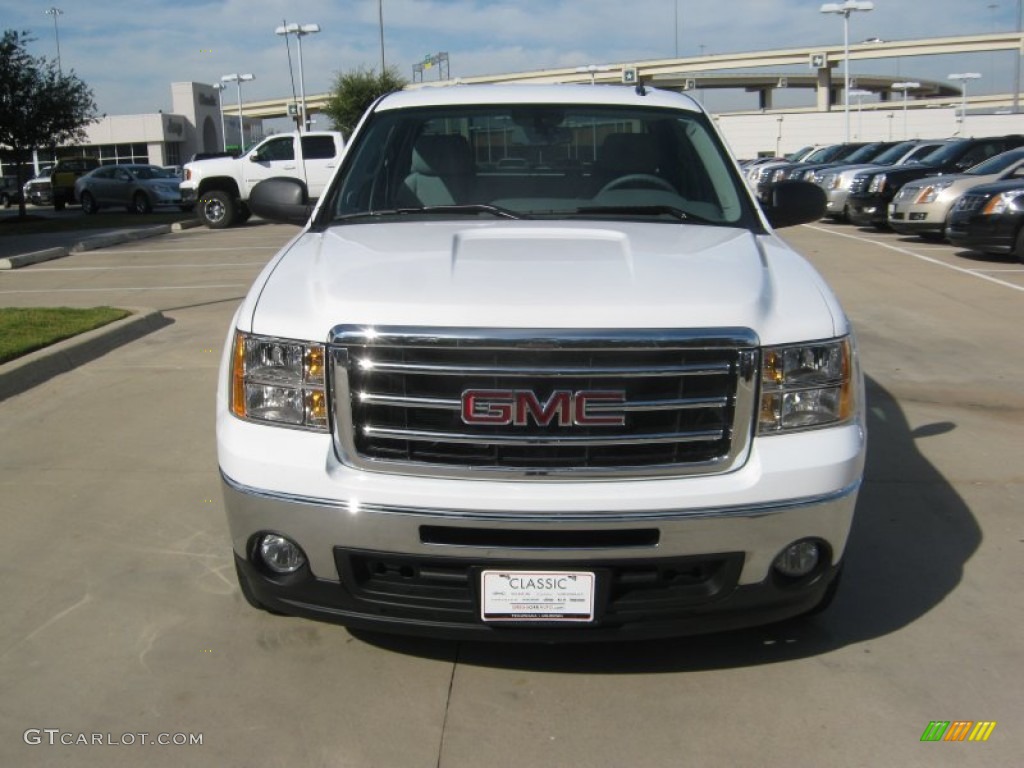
958	730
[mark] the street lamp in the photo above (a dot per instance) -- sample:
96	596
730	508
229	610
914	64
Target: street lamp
905	87
238	80
300	31
219	88
55	12
860	94
845	9
964	78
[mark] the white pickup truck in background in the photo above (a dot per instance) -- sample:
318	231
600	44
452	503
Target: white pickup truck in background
219	187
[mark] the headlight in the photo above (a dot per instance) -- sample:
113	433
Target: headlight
806	386
877	183
1002	202
279	381
929	193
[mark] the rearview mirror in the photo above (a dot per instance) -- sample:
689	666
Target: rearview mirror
788	203
283	200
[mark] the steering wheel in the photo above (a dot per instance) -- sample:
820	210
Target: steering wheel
643	179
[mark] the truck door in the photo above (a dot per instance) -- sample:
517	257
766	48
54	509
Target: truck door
274	157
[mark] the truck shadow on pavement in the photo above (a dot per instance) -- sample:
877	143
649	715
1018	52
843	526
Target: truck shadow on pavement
911	537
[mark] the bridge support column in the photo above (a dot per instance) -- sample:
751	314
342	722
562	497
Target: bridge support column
826	97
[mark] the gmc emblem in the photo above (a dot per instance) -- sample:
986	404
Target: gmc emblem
520	406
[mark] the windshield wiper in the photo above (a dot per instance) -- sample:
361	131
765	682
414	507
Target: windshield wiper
645	210
467	208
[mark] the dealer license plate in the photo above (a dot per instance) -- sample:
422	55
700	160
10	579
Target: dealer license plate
563	596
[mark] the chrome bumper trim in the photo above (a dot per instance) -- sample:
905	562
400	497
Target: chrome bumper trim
590	517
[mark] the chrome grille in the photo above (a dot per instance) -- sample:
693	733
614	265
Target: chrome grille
859	184
970	202
683	400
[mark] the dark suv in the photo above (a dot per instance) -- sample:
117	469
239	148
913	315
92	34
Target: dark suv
873	189
63	177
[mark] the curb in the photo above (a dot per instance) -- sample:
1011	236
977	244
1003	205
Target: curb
92	243
25	372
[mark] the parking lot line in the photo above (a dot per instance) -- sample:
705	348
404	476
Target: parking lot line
922	257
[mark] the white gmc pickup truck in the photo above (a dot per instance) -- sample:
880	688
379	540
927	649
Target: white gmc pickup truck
538	368
219	187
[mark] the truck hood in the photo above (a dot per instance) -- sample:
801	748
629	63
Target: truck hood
541	275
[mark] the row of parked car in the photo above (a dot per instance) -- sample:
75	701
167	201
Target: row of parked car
969	191
139	187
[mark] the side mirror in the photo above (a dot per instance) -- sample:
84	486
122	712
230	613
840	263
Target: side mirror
788	203
283	200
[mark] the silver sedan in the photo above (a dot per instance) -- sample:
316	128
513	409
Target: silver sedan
139	188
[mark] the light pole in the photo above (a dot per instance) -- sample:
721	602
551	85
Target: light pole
1016	68
860	94
845	9
219	88
964	78
55	12
300	31
380	19
238	80
905	87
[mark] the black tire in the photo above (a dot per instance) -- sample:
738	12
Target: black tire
217	209
141	204
5	200
58	202
1018	248
89	205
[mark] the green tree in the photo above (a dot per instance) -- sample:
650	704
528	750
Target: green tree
40	107
355	91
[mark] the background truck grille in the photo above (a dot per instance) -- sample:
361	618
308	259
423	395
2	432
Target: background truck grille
859	184
687	400
970	202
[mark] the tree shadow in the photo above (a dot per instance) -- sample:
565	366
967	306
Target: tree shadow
911	537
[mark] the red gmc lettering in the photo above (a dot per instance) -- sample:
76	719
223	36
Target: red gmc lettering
563	407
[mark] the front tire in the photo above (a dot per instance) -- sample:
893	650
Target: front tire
1018	249
141	204
217	209
89	205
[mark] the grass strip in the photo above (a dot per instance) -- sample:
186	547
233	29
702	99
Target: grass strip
26	329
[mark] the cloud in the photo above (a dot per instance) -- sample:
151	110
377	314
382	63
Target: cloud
129	52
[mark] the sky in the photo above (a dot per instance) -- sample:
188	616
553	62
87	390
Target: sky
130	52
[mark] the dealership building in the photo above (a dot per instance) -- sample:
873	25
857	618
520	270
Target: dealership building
193	125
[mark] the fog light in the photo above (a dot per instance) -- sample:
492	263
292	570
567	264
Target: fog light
798	559
281	555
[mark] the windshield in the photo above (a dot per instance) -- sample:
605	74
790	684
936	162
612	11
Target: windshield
892	154
997	164
537	161
943	154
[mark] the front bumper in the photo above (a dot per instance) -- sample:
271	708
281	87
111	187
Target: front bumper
867	210
988	234
672	556
917	219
